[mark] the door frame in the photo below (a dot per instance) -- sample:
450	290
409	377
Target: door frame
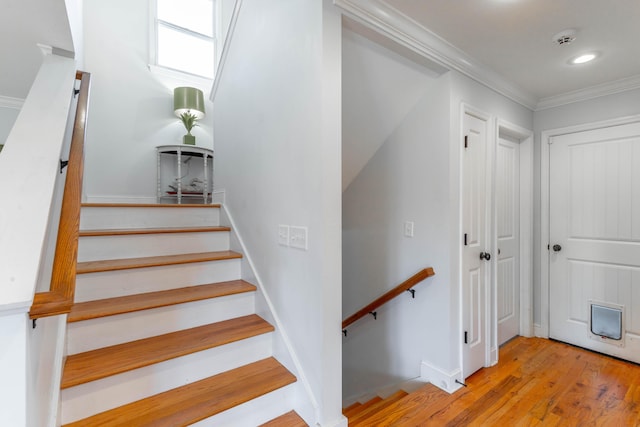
542	329
525	138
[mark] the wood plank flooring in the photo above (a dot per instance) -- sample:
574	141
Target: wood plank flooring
537	382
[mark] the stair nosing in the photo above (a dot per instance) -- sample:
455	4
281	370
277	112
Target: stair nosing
201	400
114	306
146	231
163	349
86	267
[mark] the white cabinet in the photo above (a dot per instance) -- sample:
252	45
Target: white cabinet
176	166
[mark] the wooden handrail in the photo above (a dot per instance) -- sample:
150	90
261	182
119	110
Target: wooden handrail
59	298
402	287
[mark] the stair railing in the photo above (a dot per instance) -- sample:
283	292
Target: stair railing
59	298
371	308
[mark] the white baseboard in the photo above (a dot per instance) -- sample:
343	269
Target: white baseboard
440	378
539	331
218	196
340	422
493	356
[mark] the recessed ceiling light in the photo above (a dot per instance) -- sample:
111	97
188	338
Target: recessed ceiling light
583	58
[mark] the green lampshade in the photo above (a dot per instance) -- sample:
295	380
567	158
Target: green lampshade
188	100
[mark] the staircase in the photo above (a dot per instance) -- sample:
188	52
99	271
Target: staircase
163	331
359	414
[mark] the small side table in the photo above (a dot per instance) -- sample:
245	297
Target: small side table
186	150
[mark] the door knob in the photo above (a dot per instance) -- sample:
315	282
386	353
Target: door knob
485	256
557	248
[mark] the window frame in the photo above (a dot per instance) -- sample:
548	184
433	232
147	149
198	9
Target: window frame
155	67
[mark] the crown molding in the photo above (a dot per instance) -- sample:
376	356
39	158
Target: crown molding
392	23
609	88
9	102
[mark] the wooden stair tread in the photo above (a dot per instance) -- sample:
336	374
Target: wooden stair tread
362	407
351	407
199	400
130	303
361	416
136	231
154	261
290	419
149	205
96	364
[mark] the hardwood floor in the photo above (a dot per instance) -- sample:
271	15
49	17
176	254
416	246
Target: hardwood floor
537	382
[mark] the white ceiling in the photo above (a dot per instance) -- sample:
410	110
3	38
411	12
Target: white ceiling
513	38
24	24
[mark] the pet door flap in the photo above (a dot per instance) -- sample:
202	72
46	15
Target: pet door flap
606	322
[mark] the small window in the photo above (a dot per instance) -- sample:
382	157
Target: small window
184	36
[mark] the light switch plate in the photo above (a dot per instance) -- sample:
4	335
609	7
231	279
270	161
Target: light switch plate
408	228
283	235
298	237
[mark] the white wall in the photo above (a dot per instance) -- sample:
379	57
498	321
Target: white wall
8	116
277	131
406	180
379	88
131	108
594	110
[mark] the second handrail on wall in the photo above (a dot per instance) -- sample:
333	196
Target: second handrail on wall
402	287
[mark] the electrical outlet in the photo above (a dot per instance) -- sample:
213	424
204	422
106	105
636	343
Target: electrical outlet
298	237
408	228
283	235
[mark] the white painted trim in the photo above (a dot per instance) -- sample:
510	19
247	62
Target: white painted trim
385	19
199	82
440	378
490	336
9	102
542	330
525	137
58	363
278	323
596	91
13	309
225	49
340	422
538	332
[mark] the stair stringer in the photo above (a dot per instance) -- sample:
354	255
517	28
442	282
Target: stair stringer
307	408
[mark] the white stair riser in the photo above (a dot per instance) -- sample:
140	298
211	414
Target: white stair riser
97	396
109	284
100	218
95	248
255	412
106	331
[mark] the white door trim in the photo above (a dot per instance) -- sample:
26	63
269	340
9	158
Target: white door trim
542	330
525	136
486	117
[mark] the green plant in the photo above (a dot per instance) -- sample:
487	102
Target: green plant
189	121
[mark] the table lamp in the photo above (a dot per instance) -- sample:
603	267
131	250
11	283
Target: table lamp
188	105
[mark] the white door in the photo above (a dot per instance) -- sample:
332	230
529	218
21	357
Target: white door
594	256
474	220
508	233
